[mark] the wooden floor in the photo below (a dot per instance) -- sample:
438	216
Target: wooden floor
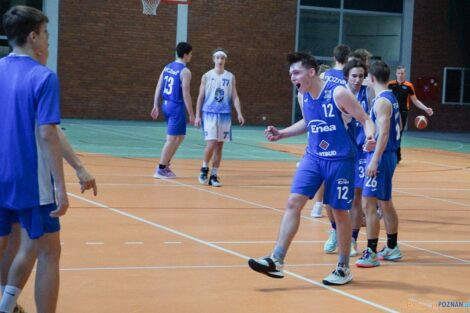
149	245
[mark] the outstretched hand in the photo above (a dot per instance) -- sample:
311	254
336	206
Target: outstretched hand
272	133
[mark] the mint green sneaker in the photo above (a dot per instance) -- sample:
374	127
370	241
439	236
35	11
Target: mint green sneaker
368	259
353	252
388	254
330	244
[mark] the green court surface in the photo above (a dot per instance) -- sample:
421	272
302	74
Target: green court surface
139	139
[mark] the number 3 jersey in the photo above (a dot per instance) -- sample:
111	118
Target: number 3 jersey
394	132
327	126
171	89
218	92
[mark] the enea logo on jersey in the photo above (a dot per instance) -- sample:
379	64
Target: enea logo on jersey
342	181
319	126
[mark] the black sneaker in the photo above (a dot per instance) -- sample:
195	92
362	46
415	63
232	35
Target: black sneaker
203	178
214	181
267	265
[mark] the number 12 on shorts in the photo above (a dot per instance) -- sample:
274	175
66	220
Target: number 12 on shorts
342	192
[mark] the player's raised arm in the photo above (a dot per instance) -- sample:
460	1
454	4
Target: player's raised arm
156	99
236	103
273	134
188	102
200	100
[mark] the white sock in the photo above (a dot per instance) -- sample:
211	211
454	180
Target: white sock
318	204
214	171
2	287
10	295
204	164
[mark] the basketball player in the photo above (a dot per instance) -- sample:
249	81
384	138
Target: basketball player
334	75
216	94
404	91
31	169
173	88
329	159
381	163
355	72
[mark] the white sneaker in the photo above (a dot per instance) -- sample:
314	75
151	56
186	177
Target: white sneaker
317	210
331	243
267	265
340	276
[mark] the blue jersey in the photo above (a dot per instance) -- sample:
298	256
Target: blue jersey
335	76
394	132
29	98
327	126
363	99
171	89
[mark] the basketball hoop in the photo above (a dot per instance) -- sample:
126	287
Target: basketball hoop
149	7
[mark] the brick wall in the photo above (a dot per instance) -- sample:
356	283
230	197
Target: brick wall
110	55
436	45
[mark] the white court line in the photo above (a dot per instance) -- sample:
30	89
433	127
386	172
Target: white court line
433	198
305	217
442	165
134	243
178	267
234	253
323	241
172	242
94	243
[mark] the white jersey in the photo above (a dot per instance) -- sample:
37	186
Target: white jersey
218	92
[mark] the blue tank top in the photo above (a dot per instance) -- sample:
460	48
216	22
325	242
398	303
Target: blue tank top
394	135
363	100
171	89
335	76
327	126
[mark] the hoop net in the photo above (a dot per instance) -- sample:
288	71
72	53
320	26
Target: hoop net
149	7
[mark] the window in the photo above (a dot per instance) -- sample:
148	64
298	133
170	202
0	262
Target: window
380	6
456	89
318	32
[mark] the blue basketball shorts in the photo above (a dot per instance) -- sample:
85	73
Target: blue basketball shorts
380	187
337	175
175	116
36	221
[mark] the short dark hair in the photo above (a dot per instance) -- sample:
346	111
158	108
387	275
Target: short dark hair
381	71
308	60
183	48
341	52
19	21
352	64
401	67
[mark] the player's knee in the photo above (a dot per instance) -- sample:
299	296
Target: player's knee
295	204
50	253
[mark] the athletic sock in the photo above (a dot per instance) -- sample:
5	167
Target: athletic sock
9	298
343	260
214	171
2	287
161	166
279	253
204	164
333	225
392	240
355	234
372	244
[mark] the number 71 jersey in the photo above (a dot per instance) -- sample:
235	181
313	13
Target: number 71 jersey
171	82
